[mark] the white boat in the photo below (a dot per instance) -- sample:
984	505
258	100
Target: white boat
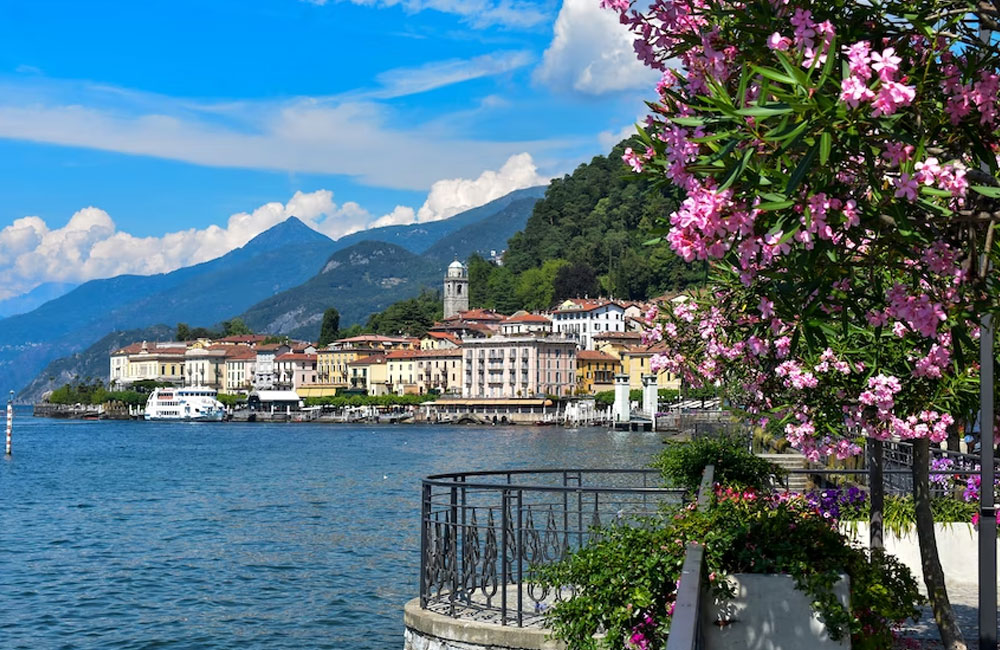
190	404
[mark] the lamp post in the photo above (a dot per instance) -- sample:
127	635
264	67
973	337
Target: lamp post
987	506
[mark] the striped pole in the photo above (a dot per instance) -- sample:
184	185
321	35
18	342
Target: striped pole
10	419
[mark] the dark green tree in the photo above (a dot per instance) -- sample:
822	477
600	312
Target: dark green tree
411	317
329	331
235	327
575	281
183	332
479	277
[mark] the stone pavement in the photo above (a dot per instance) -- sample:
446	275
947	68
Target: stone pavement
924	633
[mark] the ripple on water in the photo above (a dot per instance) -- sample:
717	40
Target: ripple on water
144	535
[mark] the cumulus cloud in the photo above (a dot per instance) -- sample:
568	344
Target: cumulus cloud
90	246
591	53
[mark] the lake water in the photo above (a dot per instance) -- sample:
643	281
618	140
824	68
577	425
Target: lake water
160	535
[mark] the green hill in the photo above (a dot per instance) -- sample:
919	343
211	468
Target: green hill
359	281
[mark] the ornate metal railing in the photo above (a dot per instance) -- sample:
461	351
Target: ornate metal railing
484	533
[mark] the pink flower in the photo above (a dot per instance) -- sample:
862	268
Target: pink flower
906	187
885	64
897	153
778	42
858	58
766	308
851	214
928	171
892	96
617	5
633	159
853	91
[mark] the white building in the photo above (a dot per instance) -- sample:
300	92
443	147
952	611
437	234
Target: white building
265	371
581	319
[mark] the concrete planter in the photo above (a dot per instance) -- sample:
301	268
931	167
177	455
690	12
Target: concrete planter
957	544
768	613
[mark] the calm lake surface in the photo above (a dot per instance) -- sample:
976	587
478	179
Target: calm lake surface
162	535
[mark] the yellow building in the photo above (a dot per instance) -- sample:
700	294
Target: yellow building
635	364
595	371
371	374
333	363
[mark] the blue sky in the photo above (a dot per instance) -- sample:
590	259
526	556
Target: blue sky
139	137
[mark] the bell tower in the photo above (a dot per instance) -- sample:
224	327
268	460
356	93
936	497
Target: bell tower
456	289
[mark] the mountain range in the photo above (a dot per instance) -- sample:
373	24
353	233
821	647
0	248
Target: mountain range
281	282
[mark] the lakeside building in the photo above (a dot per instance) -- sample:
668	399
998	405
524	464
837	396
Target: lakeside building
333	361
241	364
205	366
370	374
440	341
582	319
158	361
523	366
595	371
418	372
265	371
295	369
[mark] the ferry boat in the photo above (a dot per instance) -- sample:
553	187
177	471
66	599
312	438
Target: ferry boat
188	404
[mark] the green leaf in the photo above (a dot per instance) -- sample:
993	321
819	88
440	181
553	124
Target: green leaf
825	144
933	191
992	192
774	75
800	170
737	169
771	206
688	121
765	111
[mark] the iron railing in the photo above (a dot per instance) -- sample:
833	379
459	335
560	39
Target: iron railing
484	533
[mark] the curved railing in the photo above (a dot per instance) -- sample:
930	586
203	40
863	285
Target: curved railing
482	533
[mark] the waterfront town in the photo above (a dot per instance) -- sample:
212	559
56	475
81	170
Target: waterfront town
472	357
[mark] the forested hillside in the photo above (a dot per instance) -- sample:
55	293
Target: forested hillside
586	237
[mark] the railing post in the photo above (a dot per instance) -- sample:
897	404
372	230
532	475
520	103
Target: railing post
504	562
425	517
876	493
520	558
452	531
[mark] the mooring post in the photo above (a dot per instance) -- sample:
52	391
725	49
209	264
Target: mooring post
10	419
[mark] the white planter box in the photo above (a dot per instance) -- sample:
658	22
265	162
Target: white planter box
957	544
768	613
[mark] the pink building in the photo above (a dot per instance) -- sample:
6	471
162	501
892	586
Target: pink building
295	369
521	366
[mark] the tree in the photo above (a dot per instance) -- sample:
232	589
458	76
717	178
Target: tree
235	327
479	277
329	331
411	317
575	280
183	332
841	185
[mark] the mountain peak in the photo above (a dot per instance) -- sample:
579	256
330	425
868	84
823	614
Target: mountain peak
290	231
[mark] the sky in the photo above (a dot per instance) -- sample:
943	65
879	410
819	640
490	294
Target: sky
141	137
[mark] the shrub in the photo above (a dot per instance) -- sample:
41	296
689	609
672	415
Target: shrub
682	463
627	578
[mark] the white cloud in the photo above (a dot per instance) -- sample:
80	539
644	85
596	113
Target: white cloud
90	246
477	13
350	135
591	53
449	197
609	139
399	82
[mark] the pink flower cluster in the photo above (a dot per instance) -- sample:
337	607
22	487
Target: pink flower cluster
706	223
805	32
881	393
950	177
637	161
962	97
794	376
891	96
932	365
919	312
927	424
